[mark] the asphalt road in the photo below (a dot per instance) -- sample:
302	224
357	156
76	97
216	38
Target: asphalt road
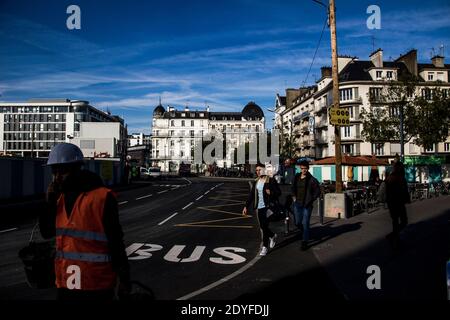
181	235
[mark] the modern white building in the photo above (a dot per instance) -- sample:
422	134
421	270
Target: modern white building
32	128
176	132
306	117
138	139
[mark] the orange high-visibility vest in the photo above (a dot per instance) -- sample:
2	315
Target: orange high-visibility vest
82	256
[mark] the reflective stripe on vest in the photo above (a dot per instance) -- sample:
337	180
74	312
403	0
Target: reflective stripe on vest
79	256
87	235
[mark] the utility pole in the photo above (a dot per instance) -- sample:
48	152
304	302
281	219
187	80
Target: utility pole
337	129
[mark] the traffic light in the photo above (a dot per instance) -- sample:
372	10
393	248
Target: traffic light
340	116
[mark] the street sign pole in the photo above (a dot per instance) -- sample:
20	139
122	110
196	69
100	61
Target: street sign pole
337	128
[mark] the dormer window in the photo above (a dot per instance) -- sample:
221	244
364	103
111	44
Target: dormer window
430	76
379	74
389	74
183	114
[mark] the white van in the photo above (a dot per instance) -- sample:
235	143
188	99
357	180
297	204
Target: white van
154	173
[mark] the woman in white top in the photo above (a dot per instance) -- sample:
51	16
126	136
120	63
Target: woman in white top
264	191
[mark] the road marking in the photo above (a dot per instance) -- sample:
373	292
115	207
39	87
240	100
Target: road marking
199	198
206	192
8	230
220	281
221	211
143	197
123	202
187	206
162	191
213	226
217	220
164	221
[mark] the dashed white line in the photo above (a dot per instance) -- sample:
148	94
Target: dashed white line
164	221
143	197
162	191
8	230
206	192
123	202
187	206
199	198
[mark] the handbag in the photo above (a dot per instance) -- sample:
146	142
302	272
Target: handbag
38	258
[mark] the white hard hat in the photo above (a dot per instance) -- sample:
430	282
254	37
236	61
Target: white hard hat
63	153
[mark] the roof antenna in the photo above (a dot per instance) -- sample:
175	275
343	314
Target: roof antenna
441	50
159	100
432	52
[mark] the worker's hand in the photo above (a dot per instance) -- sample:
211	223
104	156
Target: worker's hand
244	211
268	192
53	191
294	199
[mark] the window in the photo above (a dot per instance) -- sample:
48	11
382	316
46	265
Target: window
346	94
379	74
375	94
427	94
350	110
202	115
394	111
183	115
347	148
87	144
172	143
182	123
171	132
389	74
440	76
347	132
378	149
192	123
172	123
430	149
192	133
447	147
430	76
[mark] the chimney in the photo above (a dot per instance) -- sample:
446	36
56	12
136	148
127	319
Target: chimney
377	58
410	60
207	108
438	61
326	72
291	94
186	109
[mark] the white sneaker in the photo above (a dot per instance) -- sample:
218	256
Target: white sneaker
263	251
273	241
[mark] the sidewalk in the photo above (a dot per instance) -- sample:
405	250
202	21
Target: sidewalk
334	268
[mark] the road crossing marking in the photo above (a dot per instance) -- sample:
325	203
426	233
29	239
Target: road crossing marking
206	192
162	191
187	206
199	198
143	197
164	221
123	202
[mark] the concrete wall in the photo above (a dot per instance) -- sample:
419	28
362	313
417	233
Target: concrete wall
26	177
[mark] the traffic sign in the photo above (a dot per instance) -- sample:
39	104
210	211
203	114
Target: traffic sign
339	116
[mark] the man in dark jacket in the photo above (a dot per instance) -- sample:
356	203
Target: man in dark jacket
71	183
305	190
265	191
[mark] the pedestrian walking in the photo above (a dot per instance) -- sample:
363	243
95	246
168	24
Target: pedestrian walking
397	195
305	190
264	192
90	257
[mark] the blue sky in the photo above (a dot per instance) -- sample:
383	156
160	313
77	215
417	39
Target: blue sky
222	53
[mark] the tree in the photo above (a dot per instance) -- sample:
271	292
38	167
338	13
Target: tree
425	112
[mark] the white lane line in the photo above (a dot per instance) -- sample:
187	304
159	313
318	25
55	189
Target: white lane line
143	197
164	221
199	198
162	191
220	281
190	204
8	230
123	202
206	192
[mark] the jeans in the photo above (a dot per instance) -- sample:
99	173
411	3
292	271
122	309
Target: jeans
302	215
264	225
